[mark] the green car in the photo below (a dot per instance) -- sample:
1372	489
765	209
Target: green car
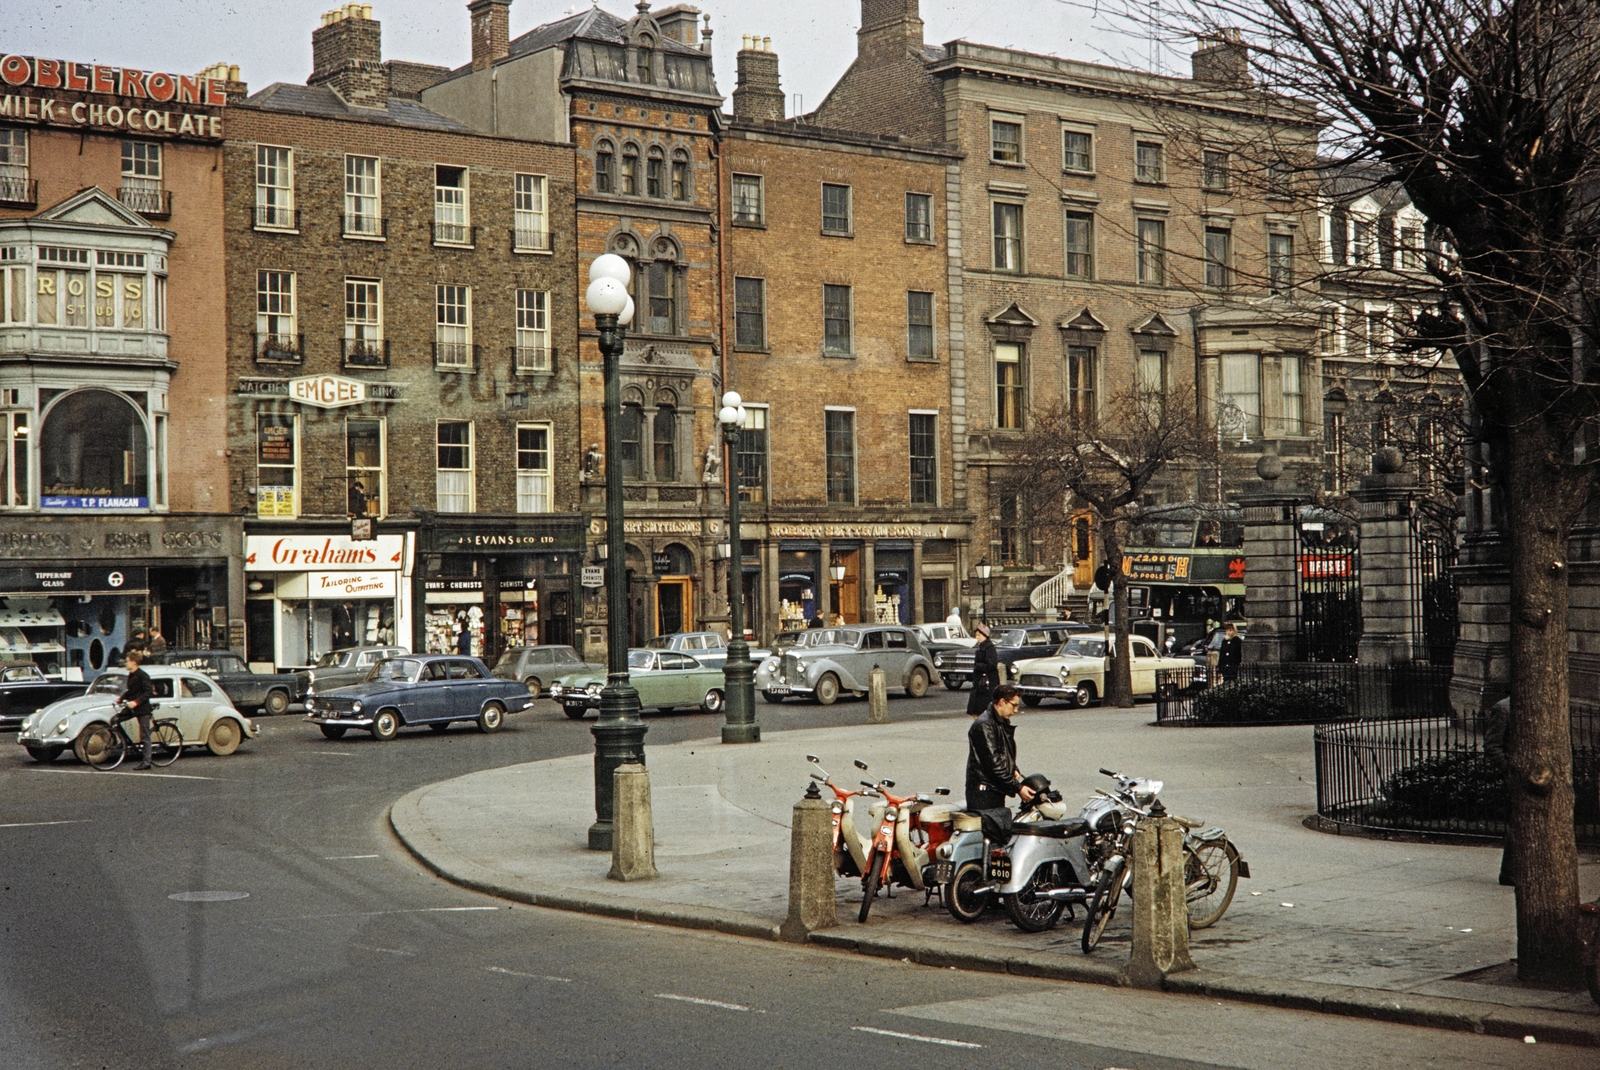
664	679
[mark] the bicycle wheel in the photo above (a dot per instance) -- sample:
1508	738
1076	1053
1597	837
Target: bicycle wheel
167	746
1210	874
104	747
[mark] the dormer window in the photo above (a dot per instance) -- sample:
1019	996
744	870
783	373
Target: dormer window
643	72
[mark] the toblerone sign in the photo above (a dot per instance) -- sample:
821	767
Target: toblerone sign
54	92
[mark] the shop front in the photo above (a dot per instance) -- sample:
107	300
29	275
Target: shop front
490	583
73	591
312	591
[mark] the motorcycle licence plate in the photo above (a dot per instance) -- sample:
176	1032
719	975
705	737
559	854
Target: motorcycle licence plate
943	872
1000	871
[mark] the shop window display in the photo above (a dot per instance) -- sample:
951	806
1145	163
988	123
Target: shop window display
519	614
455	629
312	628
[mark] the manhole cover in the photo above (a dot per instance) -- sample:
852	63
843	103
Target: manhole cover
207	897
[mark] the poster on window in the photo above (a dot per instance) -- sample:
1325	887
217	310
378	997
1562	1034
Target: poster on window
275	501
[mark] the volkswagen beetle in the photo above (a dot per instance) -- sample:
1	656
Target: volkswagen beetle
204	714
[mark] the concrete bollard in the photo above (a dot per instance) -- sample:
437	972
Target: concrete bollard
1160	910
877	697
812	905
633	834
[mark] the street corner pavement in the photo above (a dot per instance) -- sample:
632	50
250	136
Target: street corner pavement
1407	931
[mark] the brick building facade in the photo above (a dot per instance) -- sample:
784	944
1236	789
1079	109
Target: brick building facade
838	317
113	479
401	348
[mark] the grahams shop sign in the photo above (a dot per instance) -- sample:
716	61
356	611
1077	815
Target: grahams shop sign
60	92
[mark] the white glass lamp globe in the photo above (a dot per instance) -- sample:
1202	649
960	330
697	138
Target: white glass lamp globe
610	266
606	297
731	414
733	399
626	316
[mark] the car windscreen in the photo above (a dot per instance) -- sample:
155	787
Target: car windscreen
330	660
846	637
25	675
640	659
1016	637
565	655
1084	648
109	683
508	659
396	669
660	642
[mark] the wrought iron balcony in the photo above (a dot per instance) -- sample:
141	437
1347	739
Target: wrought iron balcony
362	225
152	203
276	217
366	352
527	240
455	356
454	234
531	360
280	348
18	192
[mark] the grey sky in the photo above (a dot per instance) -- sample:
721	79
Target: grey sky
271	39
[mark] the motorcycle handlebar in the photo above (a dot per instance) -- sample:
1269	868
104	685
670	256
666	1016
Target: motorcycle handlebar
1108	772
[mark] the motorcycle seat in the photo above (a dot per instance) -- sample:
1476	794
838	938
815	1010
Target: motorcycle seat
1055	830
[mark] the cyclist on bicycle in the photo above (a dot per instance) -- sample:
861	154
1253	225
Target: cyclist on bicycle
135	703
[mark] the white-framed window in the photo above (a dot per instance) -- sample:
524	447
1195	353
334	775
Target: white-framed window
1077	151
839	442
454	483
363	322
1080	245
141	177
275	187
919	325
530	215
1293	399
277	465
533	468
1330	330
13	287
751	454
277	321
452	331
1007	236
61	293
1150	375
747	200
923	443
14	185
366	442
1149	162
1005	139
1152	251
1083	384
533	331
15	489
451	222
1241	392
919	217
363	197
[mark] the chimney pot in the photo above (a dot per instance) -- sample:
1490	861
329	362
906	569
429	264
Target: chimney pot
758	94
347	56
1222	58
491	32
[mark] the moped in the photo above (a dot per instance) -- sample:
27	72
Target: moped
849	846
900	849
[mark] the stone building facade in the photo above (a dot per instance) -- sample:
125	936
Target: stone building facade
402	350
113	477
838	313
638	103
1108	228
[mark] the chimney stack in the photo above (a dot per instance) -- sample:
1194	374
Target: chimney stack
1222	59
491	32
229	73
757	94
347	56
681	23
889	29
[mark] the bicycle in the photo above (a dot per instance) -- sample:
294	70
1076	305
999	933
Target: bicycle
108	744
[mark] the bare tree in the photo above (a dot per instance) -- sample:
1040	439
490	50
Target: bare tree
1139	446
1487	112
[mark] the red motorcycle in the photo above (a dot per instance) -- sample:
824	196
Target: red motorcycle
901	851
849	846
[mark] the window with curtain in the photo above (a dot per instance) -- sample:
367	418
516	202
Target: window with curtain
450	219
747	199
1241	388
533	468
1081	383
453	481
1007	236
1005	141
630	170
1280	263
1080	245
666	444
1219	258
1077	150
274	187
533	331
1149	165
1008	386
919	217
1152	252
1150	375
363	208
680	176
452	339
530	216
277	333
1293	401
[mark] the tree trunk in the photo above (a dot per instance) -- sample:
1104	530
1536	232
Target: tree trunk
1119	669
1539	517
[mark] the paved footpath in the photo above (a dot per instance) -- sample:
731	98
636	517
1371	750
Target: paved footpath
1402	931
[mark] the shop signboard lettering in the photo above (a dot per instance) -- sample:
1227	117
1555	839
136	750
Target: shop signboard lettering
846	531
452	585
1145	566
145	103
91	501
327	391
72	579
351	584
293	553
519	585
594	575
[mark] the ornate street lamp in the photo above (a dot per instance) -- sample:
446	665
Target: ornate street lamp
739	674
837	571
983	569
619	734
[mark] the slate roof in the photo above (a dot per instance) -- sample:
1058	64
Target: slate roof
595	24
1343	182
324	103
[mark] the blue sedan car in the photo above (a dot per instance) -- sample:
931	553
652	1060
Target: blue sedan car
430	689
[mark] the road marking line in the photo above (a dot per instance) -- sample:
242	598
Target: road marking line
34	824
143	774
914	1036
346	858
534	976
704	1002
376	913
334	753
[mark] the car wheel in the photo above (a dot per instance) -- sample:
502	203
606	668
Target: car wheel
827	689
492	719
1086	693
954	683
918	685
773	697
333	731
224	738
45	754
385	726
1032	700
574	710
535	687
277	703
80	746
714	701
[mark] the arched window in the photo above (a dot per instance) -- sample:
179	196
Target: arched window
630	170
666	455
94	445
680	175
663	285
644	70
605	167
655	173
632	432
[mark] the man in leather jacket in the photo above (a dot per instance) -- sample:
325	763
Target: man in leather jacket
985	672
992	772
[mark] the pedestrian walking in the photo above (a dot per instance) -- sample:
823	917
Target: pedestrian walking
992	770
1214	654
1231	654
985	672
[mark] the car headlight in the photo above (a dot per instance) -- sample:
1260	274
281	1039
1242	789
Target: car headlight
593	689
310	704
938	661
27	722
770	665
62	727
355	707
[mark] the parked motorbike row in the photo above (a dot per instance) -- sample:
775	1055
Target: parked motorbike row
1035	863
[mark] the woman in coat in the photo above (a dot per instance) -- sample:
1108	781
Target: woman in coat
985	672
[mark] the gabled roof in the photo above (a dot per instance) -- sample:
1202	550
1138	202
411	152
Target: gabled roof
1083	321
94	207
323	103
1156	325
1014	316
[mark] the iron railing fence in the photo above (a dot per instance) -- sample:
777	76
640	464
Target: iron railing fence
1302	693
1434	776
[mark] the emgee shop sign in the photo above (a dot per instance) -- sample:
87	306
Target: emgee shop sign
56	92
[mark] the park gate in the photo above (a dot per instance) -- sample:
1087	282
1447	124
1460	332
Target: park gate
1329	567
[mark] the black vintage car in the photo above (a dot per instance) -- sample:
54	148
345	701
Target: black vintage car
1011	645
249	691
24	689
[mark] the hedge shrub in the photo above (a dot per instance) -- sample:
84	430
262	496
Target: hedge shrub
1266	701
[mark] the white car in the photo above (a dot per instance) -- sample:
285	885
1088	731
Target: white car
1077	671
204	714
945	635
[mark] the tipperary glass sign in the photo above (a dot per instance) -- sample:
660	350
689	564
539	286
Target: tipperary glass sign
149	103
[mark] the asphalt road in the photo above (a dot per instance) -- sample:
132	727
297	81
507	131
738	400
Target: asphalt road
345	953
